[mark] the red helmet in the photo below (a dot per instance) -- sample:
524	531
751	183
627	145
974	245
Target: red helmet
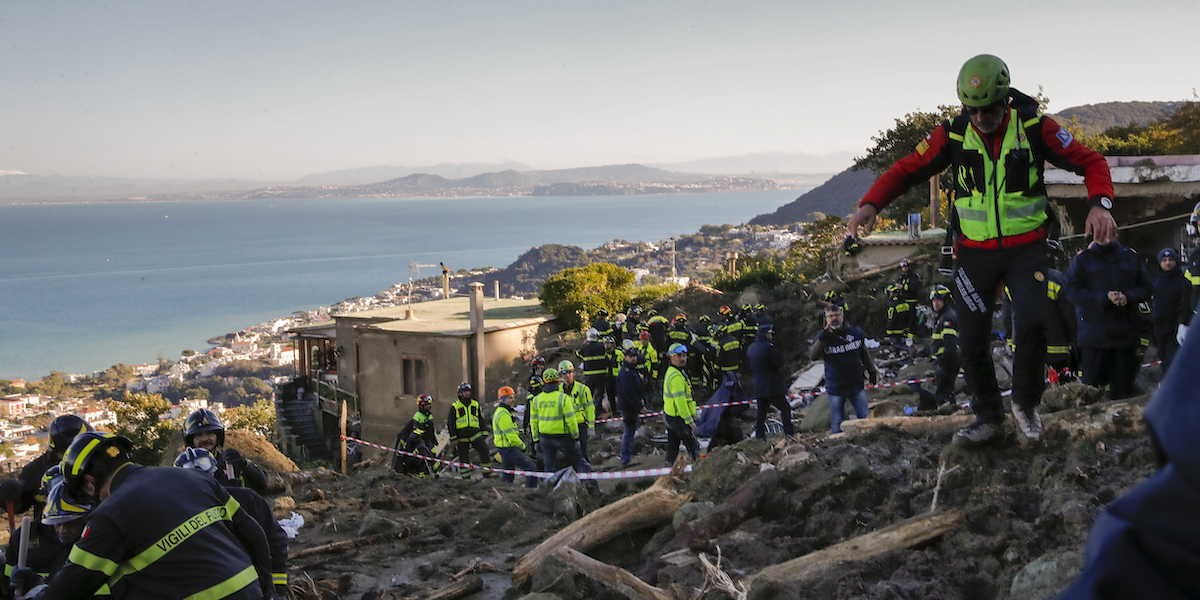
725	311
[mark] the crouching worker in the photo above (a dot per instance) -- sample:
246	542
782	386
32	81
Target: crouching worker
200	460
204	430
508	439
156	532
418	438
844	351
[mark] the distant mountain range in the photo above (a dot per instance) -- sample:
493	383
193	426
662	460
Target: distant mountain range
839	196
780	169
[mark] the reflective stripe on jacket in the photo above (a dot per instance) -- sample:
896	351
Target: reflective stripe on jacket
553	413
677	395
998	197
504	429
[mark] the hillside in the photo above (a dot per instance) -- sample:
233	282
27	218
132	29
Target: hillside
838	196
1097	118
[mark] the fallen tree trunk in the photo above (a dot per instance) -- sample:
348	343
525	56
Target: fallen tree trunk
613	577
458	589
905	534
348	544
647	508
908	424
742	504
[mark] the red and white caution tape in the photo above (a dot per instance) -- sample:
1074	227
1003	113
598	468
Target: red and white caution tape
539	474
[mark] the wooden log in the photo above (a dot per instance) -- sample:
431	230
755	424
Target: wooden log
908	424
613	577
348	544
458	589
648	508
905	534
742	504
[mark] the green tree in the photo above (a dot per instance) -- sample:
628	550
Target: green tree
140	418
576	294
257	418
52	385
811	254
896	143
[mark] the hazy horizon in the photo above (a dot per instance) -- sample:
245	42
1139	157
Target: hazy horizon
276	91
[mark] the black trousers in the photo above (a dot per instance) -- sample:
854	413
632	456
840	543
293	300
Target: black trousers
678	431
977	278
1165	343
764	405
1115	368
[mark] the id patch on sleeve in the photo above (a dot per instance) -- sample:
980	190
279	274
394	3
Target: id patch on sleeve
923	147
1064	136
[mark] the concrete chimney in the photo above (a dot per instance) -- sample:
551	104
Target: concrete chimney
445	284
497	283
477	329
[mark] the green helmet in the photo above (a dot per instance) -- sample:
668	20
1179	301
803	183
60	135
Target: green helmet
549	376
983	80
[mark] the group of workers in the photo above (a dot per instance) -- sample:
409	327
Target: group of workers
105	526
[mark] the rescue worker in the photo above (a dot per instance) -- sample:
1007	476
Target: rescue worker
837	299
616	356
679	407
909	282
255	506
1172	306
597	367
26	491
657	325
601	324
633	322
417	437
998	150
535	388
846	357
680	333
508	442
1061	327
649	367
944	351
729	353
1106	283
156	532
553	425
465	424
770	385
899	316
585	410
46	552
203	429
618	328
1192	272
631	397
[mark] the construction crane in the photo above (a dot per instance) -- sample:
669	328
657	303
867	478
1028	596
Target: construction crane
414	268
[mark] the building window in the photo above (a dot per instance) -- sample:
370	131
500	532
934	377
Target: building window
413	376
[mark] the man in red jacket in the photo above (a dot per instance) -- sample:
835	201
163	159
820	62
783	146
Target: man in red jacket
998	148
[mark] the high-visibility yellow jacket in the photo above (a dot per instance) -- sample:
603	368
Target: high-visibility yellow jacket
504	429
677	395
585	411
553	413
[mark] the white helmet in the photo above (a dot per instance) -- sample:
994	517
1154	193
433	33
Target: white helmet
592	334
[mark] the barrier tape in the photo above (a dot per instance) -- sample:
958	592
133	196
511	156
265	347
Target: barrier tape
539	474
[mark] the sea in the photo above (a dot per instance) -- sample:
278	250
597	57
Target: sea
87	286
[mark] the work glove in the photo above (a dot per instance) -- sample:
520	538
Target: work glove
24	579
10	491
234	458
1181	333
874	377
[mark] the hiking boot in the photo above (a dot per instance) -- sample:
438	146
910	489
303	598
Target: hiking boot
977	434
1029	422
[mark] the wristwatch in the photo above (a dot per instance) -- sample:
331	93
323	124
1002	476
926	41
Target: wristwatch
1103	202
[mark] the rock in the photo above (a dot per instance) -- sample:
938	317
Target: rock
795	459
1047	576
888	408
690	512
284	505
374	523
855	465
817	417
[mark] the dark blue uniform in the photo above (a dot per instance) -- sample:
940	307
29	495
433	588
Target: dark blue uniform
1109	335
167	533
770	387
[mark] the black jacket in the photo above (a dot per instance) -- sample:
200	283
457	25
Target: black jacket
1095	272
184	531
1172	299
766	365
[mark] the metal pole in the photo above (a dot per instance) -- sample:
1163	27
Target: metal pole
673	275
343	425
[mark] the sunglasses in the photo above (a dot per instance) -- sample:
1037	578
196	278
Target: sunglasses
991	108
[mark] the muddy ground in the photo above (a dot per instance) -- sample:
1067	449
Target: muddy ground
1028	513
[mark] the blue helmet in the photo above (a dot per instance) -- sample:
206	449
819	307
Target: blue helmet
197	458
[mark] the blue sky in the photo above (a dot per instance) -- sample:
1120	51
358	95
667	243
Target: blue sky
277	90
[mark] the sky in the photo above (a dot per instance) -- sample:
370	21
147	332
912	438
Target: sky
277	90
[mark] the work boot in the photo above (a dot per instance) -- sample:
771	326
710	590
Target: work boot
1029	422
977	434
